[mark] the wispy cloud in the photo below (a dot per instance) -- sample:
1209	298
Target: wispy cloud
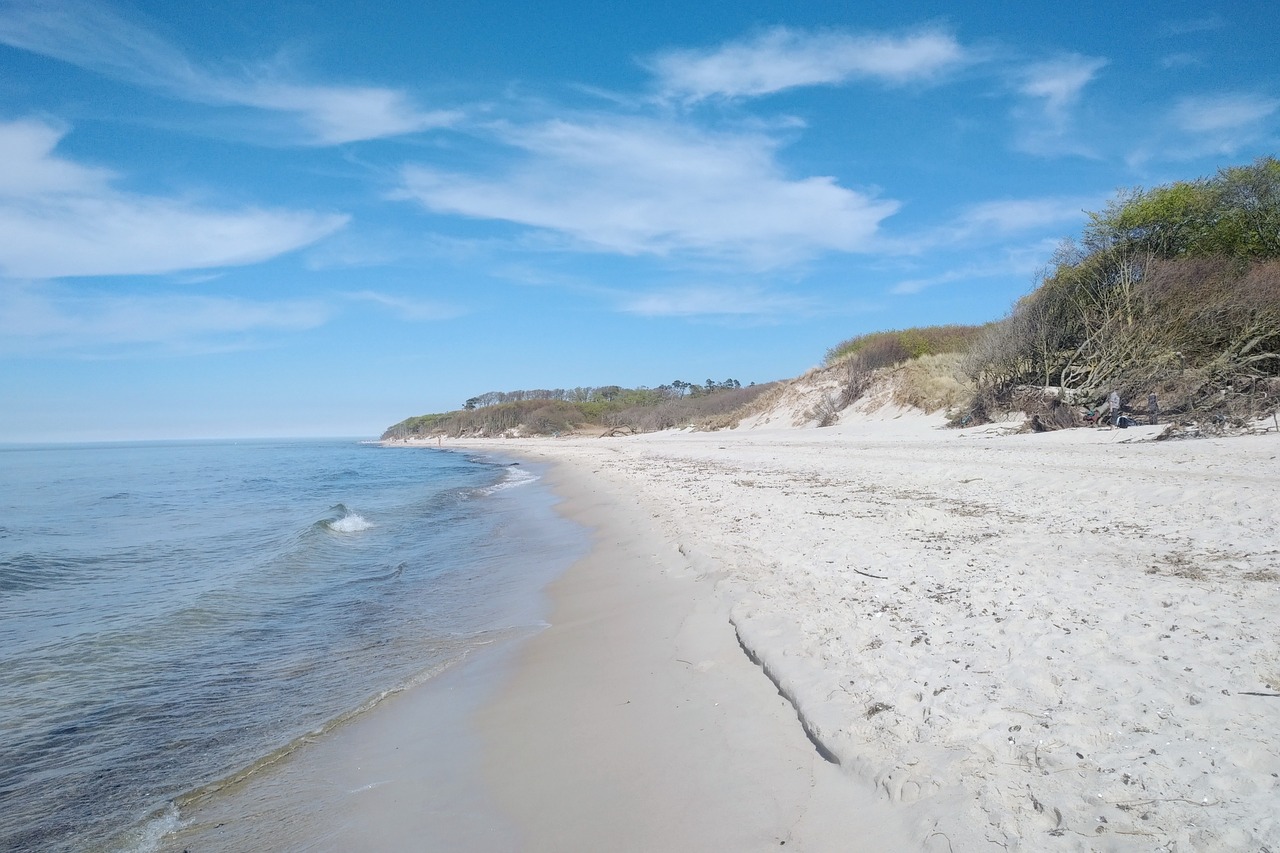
408	308
338	114
1011	216
1055	88
1221	125
650	187
1021	261
995	222
1182	60
1057	83
783	58
1214	114
91	35
59	218
1191	26
717	301
45	317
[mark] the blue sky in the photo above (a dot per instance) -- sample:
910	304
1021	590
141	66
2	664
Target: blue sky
317	218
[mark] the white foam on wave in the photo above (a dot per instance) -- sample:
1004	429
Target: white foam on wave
350	523
147	837
515	476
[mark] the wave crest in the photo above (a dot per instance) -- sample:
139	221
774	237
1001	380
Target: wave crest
515	476
348	521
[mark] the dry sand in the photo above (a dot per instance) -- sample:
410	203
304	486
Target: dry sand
636	723
1063	641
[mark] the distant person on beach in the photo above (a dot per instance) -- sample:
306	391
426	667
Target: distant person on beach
1153	408
1113	404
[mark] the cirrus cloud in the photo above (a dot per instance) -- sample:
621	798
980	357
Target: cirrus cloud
1054	88
49	318
1220	124
60	219
784	58
94	37
1230	111
636	187
717	301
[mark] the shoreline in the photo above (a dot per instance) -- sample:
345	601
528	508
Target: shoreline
636	722
401	771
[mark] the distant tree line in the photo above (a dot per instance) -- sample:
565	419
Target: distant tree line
547	411
603	393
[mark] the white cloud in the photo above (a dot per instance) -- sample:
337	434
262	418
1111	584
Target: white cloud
1220	125
646	187
994	222
715	301
1182	60
44	318
59	218
1191	26
338	114
1219	113
408	308
1054	87
1058	83
1007	216
1022	261
783	58
92	36
27	166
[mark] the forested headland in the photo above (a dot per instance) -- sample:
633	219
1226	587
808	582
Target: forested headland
559	410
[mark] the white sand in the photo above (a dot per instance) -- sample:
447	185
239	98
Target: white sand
636	723
1030	642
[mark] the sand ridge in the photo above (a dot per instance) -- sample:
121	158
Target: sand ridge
1031	642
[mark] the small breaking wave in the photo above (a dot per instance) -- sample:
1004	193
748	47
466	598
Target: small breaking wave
348	521
353	523
514	476
147	837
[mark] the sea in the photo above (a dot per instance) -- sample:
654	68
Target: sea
174	615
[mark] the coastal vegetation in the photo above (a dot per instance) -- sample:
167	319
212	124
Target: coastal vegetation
1172	291
551	411
921	366
881	349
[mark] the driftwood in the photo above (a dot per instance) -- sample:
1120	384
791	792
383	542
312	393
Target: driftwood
617	431
868	574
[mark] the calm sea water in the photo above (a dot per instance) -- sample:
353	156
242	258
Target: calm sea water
174	614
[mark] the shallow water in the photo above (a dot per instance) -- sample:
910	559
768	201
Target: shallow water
174	614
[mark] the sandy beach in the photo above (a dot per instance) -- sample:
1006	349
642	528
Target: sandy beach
882	635
635	722
1056	641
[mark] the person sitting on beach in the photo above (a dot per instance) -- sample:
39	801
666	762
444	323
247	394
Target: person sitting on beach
1090	417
